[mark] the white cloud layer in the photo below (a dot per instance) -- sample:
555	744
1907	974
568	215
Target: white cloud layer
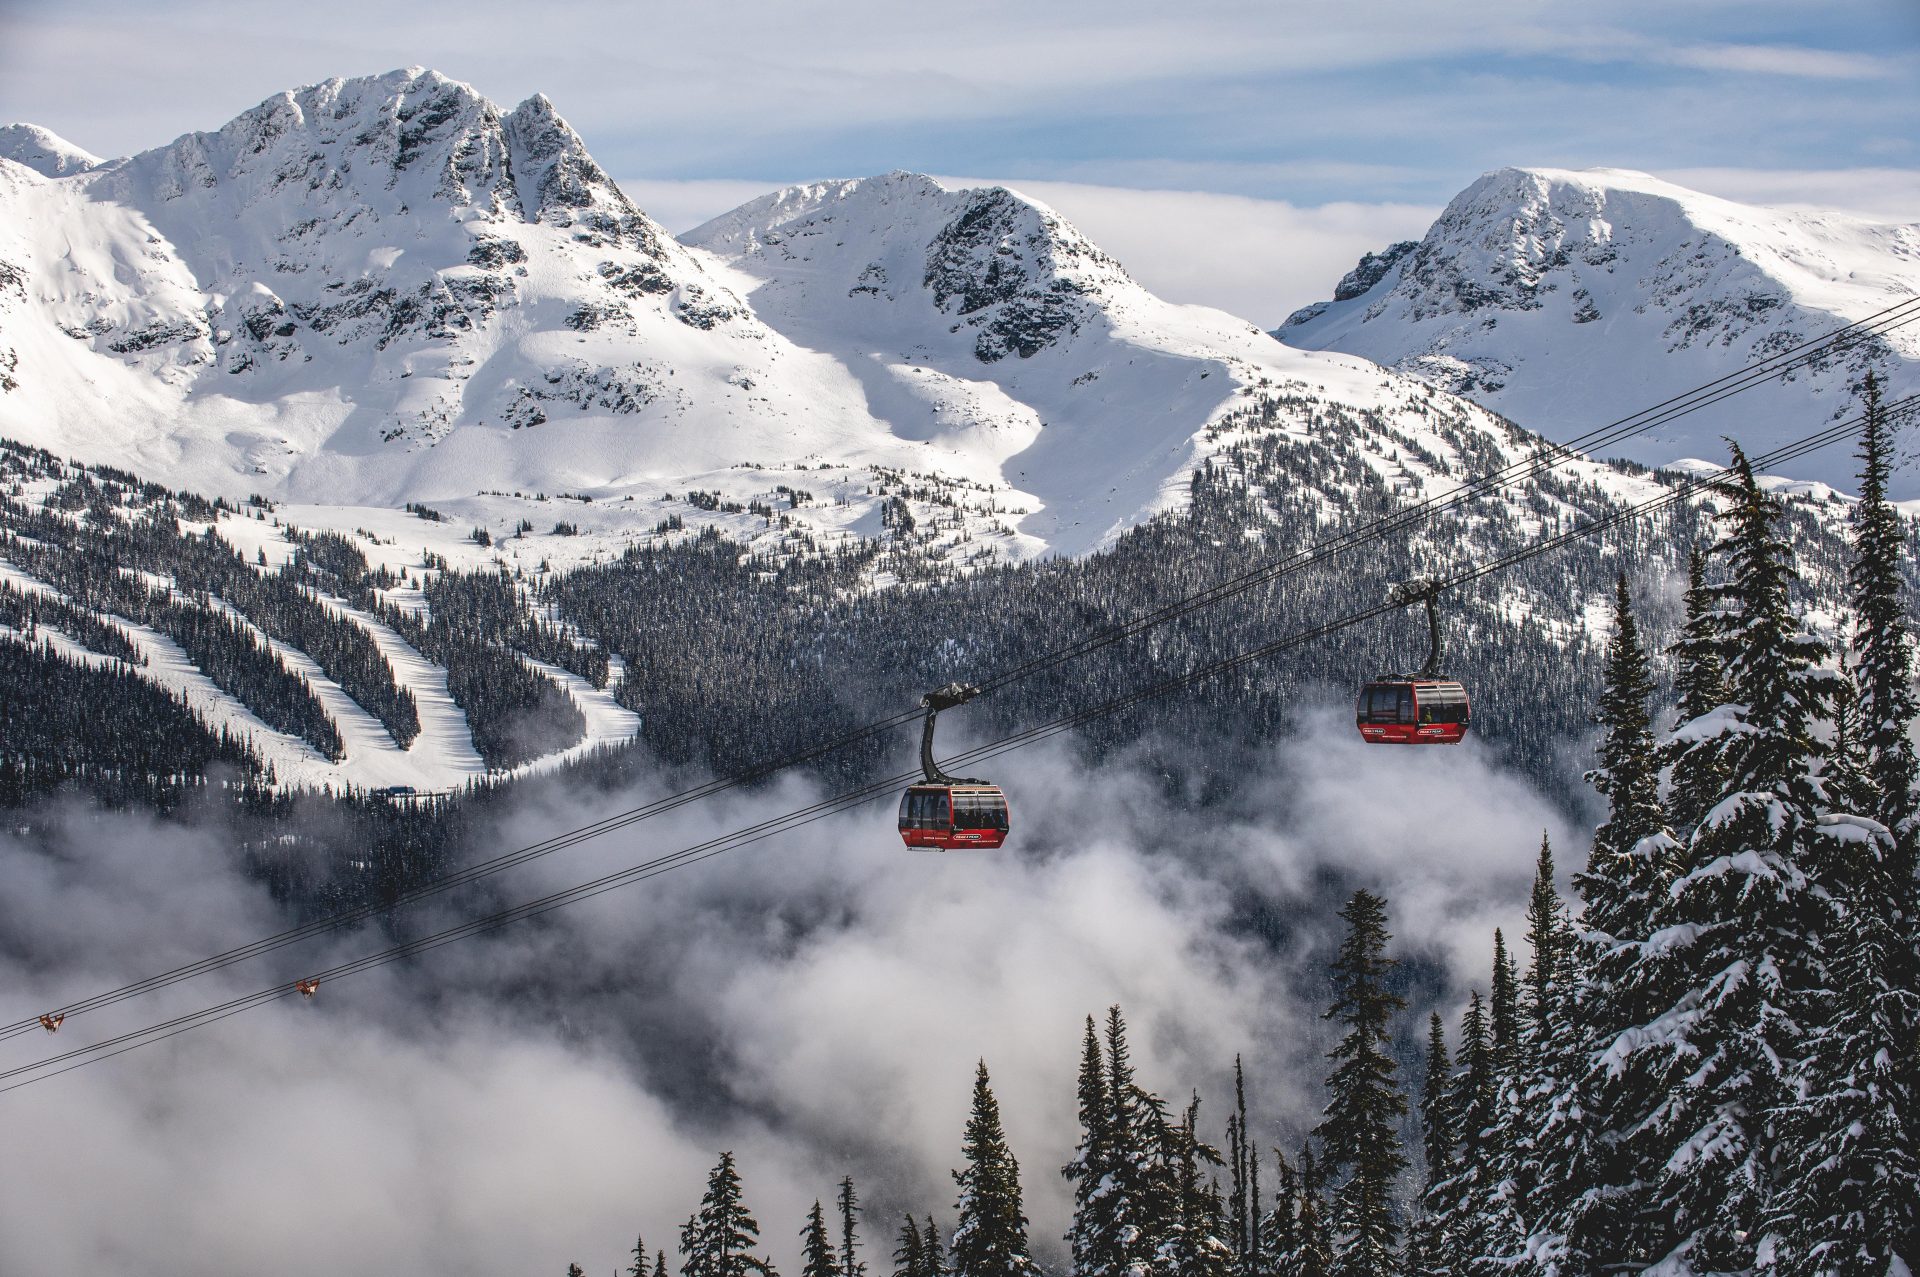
815	1004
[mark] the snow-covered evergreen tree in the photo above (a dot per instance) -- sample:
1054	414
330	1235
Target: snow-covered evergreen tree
1193	1242
1739	934
1315	1256
1133	1213
1505	1007
1458	1229
1849	1192
1882	651
991	1237
1360	1134
1883	638
1698	771
1426	1244
1243	1198
1280	1227
1093	1238
718	1239
1631	865
1551	1143
1633	849
933	1254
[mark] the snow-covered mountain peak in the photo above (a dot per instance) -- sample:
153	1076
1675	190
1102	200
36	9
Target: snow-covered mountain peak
44	151
1565	299
1009	273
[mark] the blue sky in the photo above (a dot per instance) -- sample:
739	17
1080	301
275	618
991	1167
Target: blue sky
1383	109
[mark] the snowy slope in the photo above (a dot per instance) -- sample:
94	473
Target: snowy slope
981	323
1565	300
381	290
43	151
373	290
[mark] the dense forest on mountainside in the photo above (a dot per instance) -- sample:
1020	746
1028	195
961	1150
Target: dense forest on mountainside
731	660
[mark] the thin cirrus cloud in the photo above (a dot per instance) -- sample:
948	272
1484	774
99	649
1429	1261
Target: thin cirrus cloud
1075	91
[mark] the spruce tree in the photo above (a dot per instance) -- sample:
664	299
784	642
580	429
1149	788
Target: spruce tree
1426	1248
1883	638
1698	771
933	1254
1360	1134
1629	869
1742	934
1553	1147
1133	1212
1501	1232
1506	1008
1882	650
991	1237
718	1240
1280	1228
1315	1258
1849	1200
574	1270
1094	1240
849	1206
1191	1243
1850	1190
909	1258
1633	850
1457	1228
660	1263
641	1266
818	1259
1243	1211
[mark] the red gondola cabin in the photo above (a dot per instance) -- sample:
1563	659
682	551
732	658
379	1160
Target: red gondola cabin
958	817
1413	711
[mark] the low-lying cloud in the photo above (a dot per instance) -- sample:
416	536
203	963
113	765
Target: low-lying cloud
814	1003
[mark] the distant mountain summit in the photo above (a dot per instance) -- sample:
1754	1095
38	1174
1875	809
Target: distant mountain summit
43	151
1567	299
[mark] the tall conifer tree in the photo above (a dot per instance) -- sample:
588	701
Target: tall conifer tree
1505	1025
991	1237
1360	1133
1698	773
1629	870
816	1248
1633	849
933	1253
1280	1228
1426	1243
1093	1240
718	1240
909	1256
1849	1200
1741	930
1315	1258
1883	637
848	1204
